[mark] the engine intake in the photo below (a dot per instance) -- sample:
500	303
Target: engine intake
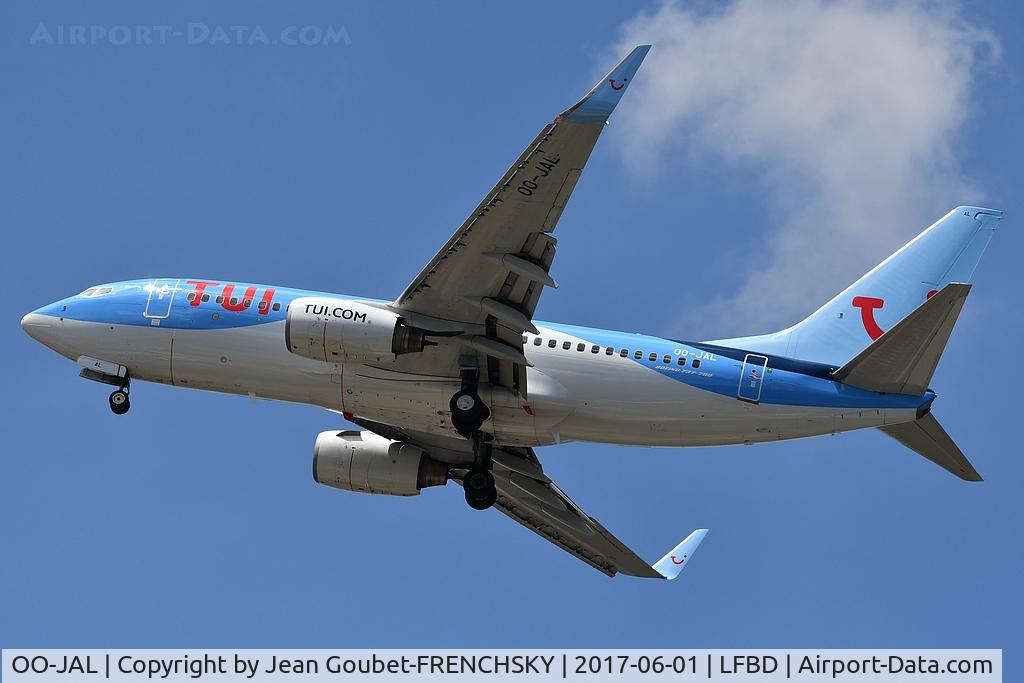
366	462
341	330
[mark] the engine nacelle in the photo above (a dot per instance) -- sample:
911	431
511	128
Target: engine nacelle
367	462
341	330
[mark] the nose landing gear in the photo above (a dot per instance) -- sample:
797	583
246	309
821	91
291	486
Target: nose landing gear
116	375
119	403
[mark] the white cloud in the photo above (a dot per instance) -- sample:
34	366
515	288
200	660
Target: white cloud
850	111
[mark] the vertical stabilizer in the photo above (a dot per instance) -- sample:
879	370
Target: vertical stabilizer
946	252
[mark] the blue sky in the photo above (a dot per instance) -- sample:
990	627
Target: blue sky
193	521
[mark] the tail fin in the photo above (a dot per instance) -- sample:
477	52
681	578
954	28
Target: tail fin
946	252
903	360
927	437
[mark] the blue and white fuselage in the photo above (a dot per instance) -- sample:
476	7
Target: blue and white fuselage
454	380
586	384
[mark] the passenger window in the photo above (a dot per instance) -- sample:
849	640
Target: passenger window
667	359
681	361
263	306
234	300
610	351
191	296
624	353
537	341
566	345
551	343
247	302
277	306
653	356
524	338
220	299
206	297
595	348
696	362
638	355
581	346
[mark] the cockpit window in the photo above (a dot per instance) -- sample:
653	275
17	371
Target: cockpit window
97	291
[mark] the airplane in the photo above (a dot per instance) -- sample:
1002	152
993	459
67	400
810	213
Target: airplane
454	380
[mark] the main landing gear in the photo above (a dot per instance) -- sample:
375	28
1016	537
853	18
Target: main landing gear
478	482
469	414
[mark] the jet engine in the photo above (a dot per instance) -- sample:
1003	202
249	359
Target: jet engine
366	462
341	330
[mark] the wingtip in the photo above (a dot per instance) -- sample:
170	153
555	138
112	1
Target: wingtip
971	475
679	557
602	99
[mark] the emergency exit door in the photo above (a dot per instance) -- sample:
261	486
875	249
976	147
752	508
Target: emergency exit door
752	377
161	296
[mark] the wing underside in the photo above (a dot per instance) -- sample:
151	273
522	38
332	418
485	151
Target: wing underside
489	276
537	503
479	293
531	498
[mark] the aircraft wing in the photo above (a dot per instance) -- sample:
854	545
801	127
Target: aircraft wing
490	274
529	497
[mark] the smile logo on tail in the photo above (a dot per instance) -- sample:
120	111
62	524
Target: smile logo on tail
618	87
675	561
867	306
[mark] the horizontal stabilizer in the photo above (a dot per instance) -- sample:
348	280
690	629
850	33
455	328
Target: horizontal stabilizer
903	360
927	437
677	558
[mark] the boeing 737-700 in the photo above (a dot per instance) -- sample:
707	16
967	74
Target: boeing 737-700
454	380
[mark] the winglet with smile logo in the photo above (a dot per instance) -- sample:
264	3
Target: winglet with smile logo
679	557
599	103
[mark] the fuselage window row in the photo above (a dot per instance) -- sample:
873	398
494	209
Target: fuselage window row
608	350
263	305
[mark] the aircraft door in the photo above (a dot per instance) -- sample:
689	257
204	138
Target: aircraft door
752	377
161	295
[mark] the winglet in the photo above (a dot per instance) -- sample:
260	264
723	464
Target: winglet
599	103
680	556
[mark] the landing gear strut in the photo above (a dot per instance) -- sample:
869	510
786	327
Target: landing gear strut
114	375
478	482
469	414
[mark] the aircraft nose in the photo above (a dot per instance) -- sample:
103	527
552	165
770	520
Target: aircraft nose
40	327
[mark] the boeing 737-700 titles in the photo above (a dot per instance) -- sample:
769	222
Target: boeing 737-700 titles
454	380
